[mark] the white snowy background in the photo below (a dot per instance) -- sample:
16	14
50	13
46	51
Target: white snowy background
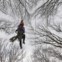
43	26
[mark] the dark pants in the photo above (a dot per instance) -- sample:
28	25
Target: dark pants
20	38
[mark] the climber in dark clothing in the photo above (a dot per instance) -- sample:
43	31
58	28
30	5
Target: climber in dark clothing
20	34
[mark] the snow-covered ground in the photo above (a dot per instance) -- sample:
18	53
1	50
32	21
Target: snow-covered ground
27	47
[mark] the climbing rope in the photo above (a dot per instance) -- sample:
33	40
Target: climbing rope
25	18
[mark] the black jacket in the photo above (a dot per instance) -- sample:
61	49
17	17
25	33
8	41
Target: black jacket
20	30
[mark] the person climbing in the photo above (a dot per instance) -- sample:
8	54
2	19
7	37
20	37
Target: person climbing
20	34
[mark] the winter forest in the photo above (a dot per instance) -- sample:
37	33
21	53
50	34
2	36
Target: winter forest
43	30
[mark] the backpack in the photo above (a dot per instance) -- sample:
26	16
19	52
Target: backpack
20	30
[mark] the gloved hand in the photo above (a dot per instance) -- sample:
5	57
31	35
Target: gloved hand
16	31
